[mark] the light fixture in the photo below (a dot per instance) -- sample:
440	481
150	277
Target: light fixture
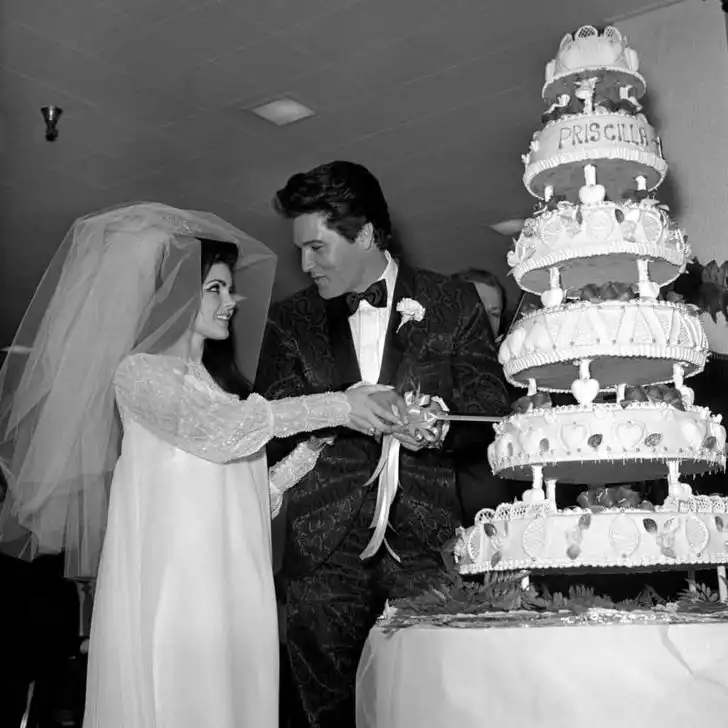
508	227
17	349
51	115
283	111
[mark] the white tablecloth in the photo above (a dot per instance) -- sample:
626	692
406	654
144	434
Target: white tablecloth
615	676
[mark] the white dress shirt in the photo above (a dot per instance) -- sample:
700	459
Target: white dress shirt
369	328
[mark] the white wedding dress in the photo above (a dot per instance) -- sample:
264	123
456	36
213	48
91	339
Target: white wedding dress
184	631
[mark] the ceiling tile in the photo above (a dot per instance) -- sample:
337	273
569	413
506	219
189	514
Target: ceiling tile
80	24
198	34
347	80
475	123
267	65
256	69
431	95
280	15
85	77
364	25
150	12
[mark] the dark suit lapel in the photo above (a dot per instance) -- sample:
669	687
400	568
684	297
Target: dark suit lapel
342	345
393	345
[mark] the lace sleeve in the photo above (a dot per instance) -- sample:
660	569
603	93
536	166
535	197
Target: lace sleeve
289	471
166	397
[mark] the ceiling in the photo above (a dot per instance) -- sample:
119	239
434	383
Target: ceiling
438	98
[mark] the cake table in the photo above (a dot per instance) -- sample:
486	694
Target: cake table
600	676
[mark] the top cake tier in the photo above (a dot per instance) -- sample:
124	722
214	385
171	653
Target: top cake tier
594	118
590	54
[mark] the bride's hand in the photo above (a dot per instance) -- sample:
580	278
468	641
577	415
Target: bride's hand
368	415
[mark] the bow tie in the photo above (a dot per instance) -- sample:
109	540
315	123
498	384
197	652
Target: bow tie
375	295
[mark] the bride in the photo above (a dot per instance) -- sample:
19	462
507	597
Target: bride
138	309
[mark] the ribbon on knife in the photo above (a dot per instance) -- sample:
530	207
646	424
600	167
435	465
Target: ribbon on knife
387	470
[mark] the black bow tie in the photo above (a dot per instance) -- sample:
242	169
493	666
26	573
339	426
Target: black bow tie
375	295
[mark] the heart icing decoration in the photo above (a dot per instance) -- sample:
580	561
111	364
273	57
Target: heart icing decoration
585	390
530	440
573	435
629	434
552	297
692	433
592	194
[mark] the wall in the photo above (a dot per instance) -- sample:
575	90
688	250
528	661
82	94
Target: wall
683	50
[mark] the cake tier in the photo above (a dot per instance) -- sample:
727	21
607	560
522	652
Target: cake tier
628	342
590	54
598	244
591	443
622	147
528	537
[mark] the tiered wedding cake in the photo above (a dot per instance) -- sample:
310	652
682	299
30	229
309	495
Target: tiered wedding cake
598	252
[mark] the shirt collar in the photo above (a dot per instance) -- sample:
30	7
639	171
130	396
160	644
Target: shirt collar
390	276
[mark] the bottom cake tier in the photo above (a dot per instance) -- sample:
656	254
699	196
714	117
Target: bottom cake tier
538	537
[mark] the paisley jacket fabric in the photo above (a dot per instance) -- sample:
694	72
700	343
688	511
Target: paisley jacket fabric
308	348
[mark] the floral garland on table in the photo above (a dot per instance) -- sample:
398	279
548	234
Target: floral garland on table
502	601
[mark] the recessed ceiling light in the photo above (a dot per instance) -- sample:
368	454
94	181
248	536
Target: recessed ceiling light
283	111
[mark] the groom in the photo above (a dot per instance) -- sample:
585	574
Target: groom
346	328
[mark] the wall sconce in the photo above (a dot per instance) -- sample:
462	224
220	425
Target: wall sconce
51	115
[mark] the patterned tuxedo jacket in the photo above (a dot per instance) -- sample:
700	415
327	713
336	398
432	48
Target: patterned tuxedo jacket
308	348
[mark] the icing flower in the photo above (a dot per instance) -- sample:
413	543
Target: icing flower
410	310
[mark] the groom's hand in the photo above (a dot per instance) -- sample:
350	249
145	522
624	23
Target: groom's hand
424	430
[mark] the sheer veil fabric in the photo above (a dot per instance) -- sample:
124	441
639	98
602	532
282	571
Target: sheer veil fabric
123	281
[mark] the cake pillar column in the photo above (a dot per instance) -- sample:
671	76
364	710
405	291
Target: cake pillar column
675	488
535	494
551	491
722	586
678	378
647	289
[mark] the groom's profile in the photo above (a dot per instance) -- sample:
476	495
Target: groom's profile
349	327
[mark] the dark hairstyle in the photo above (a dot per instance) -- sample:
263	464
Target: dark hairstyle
218	355
348	194
477	275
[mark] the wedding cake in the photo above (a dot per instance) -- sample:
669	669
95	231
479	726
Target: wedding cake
600	252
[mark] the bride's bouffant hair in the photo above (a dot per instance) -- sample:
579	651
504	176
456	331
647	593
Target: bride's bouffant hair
218	356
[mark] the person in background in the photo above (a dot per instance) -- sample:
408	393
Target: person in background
493	295
477	486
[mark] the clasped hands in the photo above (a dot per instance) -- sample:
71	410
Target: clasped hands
379	410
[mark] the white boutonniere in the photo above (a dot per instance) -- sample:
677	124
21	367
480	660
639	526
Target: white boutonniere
410	310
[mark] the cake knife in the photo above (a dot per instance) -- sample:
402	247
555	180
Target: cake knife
447	417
